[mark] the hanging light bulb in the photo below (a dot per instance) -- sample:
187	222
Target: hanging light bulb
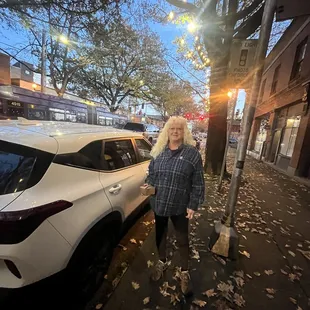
171	15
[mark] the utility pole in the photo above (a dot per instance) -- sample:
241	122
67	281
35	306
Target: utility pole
224	239
43	62
234	103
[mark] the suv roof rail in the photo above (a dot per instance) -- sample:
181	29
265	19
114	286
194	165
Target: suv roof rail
26	122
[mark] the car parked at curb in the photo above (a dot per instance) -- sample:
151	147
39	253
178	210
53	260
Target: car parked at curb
150	131
66	192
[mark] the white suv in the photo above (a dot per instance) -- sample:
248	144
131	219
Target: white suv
65	193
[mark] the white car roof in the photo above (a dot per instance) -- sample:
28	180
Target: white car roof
57	137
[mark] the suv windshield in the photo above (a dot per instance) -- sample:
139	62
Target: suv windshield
21	167
135	127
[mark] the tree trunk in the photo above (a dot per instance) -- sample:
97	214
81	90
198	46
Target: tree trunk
217	129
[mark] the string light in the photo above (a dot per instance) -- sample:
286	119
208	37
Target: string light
196	38
199	47
171	15
182	41
192	27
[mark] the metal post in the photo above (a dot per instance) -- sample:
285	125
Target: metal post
235	97
43	62
224	240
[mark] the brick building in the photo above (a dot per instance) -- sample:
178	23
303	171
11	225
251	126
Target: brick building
281	129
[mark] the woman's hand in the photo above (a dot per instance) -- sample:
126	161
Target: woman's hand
190	213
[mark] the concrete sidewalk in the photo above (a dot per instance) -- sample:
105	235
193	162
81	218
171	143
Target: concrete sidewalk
273	220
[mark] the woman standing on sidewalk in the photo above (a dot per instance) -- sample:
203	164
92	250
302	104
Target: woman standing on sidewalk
176	172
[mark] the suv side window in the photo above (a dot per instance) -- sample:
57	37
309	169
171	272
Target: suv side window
89	157
119	154
144	149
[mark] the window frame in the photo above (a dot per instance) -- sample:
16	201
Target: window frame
275	80
103	141
262	91
297	64
140	161
134	149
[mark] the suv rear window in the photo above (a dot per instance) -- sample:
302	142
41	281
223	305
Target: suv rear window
21	167
135	127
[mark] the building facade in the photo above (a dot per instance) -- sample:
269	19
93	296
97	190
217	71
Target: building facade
281	129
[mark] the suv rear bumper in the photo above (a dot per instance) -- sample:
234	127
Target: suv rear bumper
42	254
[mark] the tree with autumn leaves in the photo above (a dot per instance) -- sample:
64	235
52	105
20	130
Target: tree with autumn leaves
215	24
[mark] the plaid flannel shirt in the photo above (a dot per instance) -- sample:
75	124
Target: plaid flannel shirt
178	180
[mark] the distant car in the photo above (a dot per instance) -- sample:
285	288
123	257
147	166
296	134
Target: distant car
233	142
66	191
149	131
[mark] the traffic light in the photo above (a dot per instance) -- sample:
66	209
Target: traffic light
243	58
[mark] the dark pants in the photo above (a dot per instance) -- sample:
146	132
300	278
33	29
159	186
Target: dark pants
180	223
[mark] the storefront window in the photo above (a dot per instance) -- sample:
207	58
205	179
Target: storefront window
109	121
81	117
289	136
70	116
57	114
101	120
36	114
261	136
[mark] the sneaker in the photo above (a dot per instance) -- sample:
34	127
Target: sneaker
158	270
186	283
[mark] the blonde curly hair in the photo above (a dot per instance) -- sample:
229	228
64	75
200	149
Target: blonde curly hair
163	137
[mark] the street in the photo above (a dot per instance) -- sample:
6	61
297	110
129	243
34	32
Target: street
273	268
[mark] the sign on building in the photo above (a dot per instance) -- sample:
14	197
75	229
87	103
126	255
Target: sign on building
241	63
289	9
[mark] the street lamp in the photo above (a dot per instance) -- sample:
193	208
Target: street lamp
192	27
63	39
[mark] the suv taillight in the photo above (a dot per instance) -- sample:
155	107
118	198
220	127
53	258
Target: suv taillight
16	226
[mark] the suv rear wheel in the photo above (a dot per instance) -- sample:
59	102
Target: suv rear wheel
89	267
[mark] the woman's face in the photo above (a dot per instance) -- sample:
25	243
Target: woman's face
176	132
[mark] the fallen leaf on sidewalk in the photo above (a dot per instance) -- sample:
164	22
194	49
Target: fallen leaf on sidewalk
299	308
293	277
245	253
147	223
99	306
135	285
123	247
174	298
306	254
200	303
293	300
146	300
270	296
239	273
269	272
257	274
239	300
287	246
250	277
133	241
196	254
225	289
239	281
150	264
210	293
292	253
271	291
284	272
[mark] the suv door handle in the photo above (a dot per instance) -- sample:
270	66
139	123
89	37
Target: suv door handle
115	189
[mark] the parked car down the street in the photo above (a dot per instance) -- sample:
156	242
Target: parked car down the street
149	131
66	191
